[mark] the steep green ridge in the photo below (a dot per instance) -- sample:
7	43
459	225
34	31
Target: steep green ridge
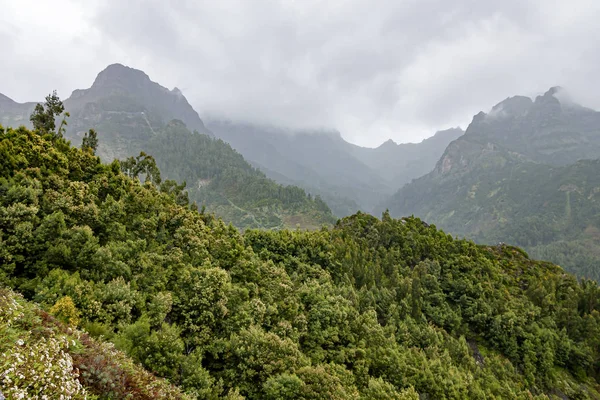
369	309
495	184
130	113
219	177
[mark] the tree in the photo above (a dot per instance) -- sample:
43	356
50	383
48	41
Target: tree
143	164
44	116
90	141
65	310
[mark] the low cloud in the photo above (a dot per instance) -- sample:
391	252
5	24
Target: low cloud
372	70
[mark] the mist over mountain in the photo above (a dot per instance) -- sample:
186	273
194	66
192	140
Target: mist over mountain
519	175
400	163
544	129
318	160
347	176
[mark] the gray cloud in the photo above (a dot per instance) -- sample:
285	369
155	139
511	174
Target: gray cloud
371	69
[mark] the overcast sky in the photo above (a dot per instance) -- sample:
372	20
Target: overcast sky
372	69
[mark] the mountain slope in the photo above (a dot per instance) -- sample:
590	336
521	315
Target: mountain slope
317	161
220	178
494	183
347	176
368	309
398	164
13	113
131	113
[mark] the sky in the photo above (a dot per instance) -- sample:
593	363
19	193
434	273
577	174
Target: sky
372	69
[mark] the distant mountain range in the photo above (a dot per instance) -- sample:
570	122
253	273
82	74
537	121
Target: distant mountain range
526	173
128	110
347	176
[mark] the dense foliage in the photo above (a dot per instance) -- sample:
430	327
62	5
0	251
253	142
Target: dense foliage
370	309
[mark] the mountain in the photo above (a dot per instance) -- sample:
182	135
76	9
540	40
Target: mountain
127	109
123	105
366	309
514	177
13	113
398	164
348	177
549	129
132	114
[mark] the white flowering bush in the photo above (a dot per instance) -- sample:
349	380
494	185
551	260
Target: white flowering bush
42	358
10	310
40	370
33	366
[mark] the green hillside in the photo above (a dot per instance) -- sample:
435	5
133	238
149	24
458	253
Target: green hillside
220	178
369	309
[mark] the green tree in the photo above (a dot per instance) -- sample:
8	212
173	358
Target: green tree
90	141
44	116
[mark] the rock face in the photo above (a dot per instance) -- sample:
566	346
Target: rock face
126	108
545	130
515	177
120	85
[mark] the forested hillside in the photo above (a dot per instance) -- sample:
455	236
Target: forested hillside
131	114
519	176
369	309
220	178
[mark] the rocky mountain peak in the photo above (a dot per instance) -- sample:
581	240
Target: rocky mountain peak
121	76
388	144
515	106
549	98
119	88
